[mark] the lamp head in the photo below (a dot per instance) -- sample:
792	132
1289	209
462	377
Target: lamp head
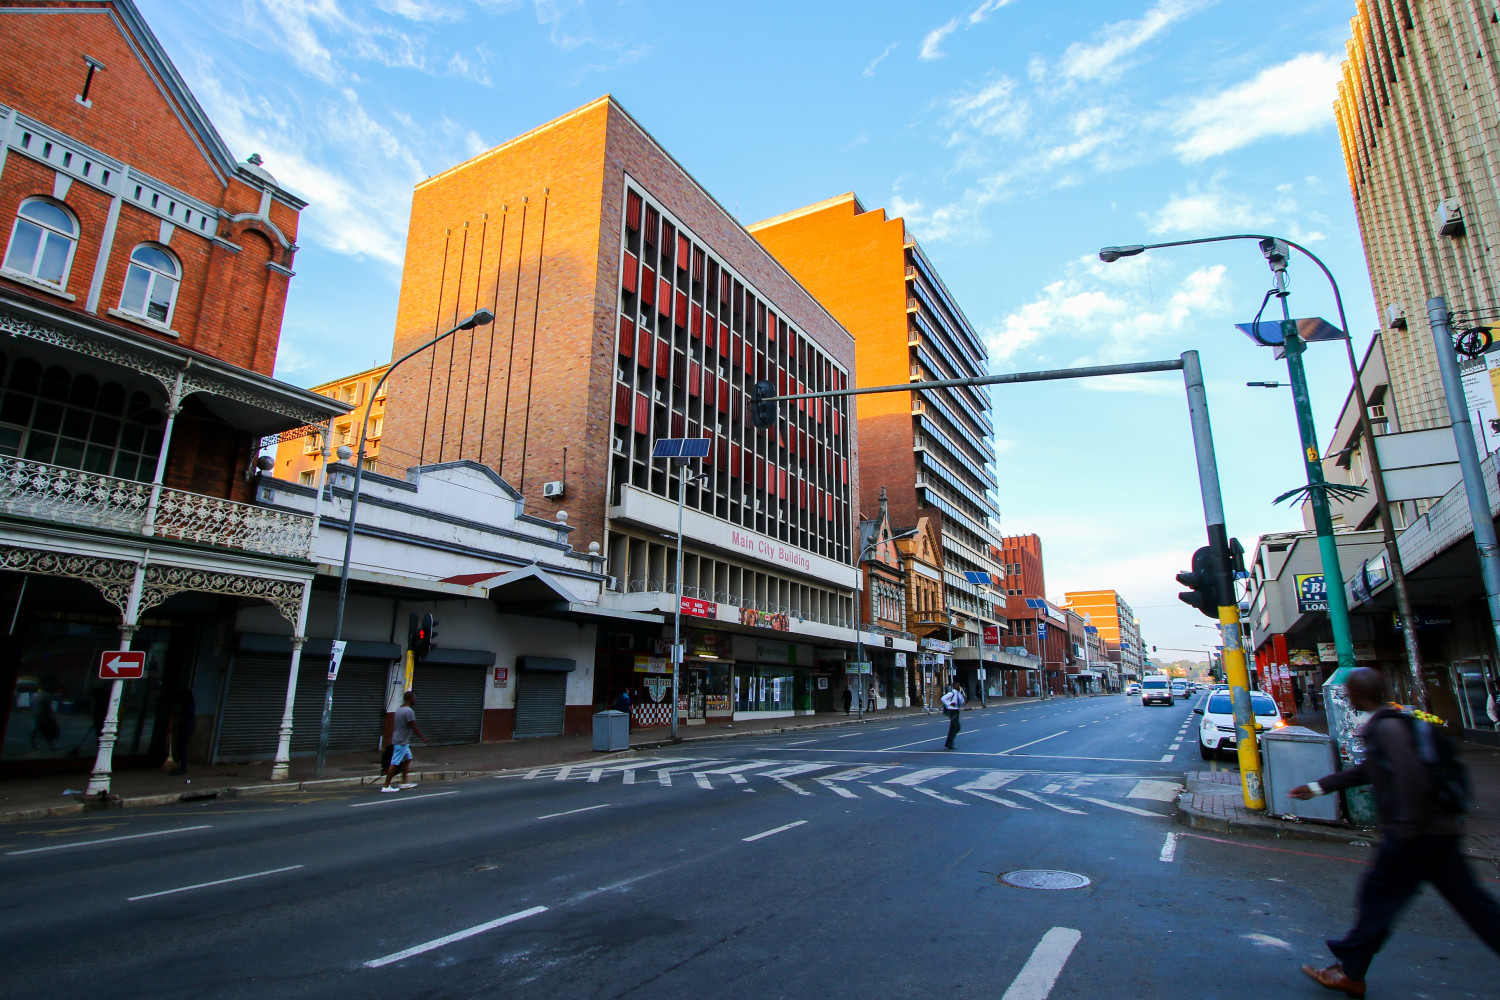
481	318
1111	254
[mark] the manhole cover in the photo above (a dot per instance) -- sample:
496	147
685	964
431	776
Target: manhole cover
1033	879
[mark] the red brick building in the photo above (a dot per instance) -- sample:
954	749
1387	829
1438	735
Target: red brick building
631	307
144	276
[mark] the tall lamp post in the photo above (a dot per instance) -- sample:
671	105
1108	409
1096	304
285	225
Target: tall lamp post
859	632
480	318
1332	574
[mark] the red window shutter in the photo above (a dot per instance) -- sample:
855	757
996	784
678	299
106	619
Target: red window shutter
664	299
632	210
781	482
723	395
749	357
724	340
770	325
695	377
679	371
734	460
736	344
677	425
663	357
843	470
682	309
697	263
627	337
653	222
684	252
642	414
695	324
631	273
643	340
622	405
648	285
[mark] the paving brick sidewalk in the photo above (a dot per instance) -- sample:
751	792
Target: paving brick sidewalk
40	797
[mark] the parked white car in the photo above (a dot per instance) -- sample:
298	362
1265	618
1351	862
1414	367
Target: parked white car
1216	730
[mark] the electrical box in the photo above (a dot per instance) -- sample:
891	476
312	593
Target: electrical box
1293	756
1448	217
553	489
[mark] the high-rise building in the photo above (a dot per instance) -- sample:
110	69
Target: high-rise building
1416	110
1117	625
930	449
300	456
631	307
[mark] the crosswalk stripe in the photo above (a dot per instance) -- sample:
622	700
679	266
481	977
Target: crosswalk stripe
1123	808
888	792
995	798
740	779
788	784
703	781
940	796
795	769
594	775
990	779
917	777
837	789
859	772
563	772
736	768
1037	798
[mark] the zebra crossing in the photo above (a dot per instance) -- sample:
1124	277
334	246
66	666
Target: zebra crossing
1072	794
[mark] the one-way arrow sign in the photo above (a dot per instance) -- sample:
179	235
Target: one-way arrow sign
122	666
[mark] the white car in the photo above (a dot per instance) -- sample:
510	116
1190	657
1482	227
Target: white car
1180	689
1132	688
1216	731
1156	689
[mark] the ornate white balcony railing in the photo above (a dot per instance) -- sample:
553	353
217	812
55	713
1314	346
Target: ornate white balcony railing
54	493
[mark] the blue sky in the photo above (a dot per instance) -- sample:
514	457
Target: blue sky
1015	136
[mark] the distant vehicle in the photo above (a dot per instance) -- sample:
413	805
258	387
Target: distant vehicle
1132	688
1180	689
1216	731
1156	689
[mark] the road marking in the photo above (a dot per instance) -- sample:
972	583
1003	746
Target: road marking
900	746
739	779
630	777
1123	808
1039	974
1157	791
800	742
563	772
1033	743
888	792
595	774
994	798
703	781
837	789
731	769
940	796
205	885
400	798
1169	848
604	805
795	769
992	779
109	840
863	771
1037	798
448	939
1052	789
787	784
768	833
1175	747
917	777
1166	758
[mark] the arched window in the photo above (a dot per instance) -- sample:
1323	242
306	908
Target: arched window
151	284
42	242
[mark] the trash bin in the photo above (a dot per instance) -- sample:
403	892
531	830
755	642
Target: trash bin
1294	756
611	730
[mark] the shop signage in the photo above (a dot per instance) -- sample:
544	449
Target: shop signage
502	676
658	687
717	703
992	635
699	609
1302	657
776	652
1425	621
122	666
1329	653
822	683
1311	595
653	665
937	645
857	667
764	619
901	660
708	644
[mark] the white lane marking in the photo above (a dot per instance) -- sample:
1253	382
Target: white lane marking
845	736
795	769
1053	788
1168	848
888	792
733	768
563	772
940	797
1267	941
837	789
703	781
1166	758
1039	974
990	779
1122	808
739	779
768	833
108	840
1033	743
595	774
887	729
205	885
630	777
448	939
917	777
787	784
400	798
863	771
603	805
800	742
1037	798
1175	747
901	746
994	798
532	773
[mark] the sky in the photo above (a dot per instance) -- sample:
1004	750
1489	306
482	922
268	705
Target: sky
1016	137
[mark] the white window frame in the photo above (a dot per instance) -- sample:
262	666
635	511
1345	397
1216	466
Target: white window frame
142	314
72	239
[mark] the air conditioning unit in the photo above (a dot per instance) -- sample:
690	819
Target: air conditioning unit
612	583
1448	217
553	489
1395	316
1377	412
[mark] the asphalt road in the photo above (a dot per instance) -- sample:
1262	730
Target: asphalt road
834	864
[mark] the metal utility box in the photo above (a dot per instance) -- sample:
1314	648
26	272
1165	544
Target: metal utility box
1294	756
611	731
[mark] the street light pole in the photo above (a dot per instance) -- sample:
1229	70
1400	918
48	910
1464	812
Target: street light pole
682	480
479	318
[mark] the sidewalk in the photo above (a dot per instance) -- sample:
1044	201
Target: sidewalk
42	797
1213	801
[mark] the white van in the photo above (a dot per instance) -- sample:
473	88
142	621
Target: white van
1156	689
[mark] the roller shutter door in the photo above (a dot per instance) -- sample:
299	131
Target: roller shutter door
540	697
450	701
256	695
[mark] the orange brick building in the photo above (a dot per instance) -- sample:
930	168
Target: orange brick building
630	307
299	458
1118	628
930	449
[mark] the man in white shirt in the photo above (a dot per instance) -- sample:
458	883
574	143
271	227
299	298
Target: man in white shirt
953	702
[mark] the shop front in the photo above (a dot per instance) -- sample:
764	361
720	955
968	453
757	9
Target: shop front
708	677
772	679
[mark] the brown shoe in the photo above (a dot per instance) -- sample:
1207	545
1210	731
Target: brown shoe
1333	978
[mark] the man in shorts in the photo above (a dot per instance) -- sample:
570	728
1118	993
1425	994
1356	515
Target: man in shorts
401	733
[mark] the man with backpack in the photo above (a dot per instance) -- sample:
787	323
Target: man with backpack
1421	792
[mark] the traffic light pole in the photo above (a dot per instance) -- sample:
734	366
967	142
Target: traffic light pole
1236	671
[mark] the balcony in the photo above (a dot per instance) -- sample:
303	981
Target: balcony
90	500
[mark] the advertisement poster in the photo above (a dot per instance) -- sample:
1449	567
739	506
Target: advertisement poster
1479	395
1311	595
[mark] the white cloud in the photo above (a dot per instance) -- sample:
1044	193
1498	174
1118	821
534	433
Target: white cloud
935	38
931	45
1285	100
1196	211
1103	58
870	69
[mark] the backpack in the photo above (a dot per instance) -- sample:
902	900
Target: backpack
1449	791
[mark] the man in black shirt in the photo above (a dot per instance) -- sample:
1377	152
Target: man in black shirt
1419	842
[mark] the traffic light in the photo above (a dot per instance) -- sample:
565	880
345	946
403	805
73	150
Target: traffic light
426	633
1204	592
762	407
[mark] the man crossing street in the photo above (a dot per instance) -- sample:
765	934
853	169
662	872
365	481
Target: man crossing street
953	703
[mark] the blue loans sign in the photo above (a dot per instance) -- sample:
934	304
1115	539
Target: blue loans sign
1311	594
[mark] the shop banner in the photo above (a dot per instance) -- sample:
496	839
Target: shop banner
937	645
901	660
1311	595
992	635
1303	657
653	665
765	619
1329	653
699	609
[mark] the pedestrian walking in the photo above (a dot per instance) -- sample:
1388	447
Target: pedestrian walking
1420	795
953	703
186	723
871	706
401	734
622	704
848	700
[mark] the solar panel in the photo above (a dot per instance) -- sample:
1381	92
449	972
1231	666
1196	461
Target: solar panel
681	447
983	579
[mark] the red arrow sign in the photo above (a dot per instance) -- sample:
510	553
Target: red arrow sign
115	665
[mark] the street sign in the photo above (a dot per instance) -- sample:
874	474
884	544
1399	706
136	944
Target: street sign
335	658
857	667
992	635
122	666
